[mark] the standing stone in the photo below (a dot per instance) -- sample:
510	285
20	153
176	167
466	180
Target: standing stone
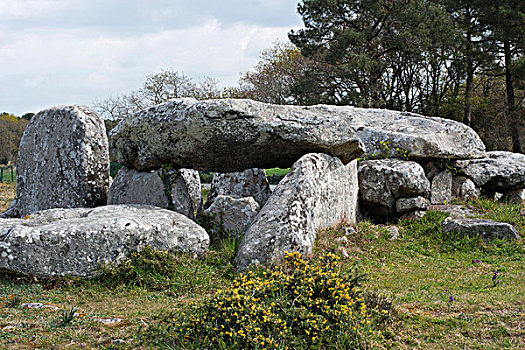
230	135
383	181
164	188
231	217
441	189
63	162
463	188
248	183
318	192
74	242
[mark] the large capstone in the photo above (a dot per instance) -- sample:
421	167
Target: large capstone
63	162
248	183
382	182
174	189
74	242
402	132
230	135
498	172
318	192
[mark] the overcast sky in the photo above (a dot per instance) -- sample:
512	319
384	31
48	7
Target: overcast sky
56	52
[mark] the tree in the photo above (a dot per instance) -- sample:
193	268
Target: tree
157	88
11	130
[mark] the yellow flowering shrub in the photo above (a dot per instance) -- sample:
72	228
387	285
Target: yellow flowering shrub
297	305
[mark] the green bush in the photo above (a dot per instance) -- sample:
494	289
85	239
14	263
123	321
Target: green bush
300	305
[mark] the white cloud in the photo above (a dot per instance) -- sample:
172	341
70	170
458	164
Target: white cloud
75	51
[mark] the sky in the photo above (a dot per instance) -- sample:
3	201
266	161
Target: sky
57	52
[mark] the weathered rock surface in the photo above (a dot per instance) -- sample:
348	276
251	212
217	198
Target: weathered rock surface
73	242
170	189
229	216
487	229
516	197
318	192
248	183
230	135
63	162
419	203
422	137
441	188
383	181
498	172
463	188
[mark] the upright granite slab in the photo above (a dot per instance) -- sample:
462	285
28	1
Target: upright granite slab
248	183
230	135
318	192
423	137
174	189
73	242
63	162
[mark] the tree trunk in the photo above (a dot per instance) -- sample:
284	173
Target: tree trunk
514	123
467	117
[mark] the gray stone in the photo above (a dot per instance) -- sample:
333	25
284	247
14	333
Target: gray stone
230	135
248	183
464	188
73	242
318	192
454	210
441	188
486	229
516	197
230	216
63	162
383	181
413	215
177	190
404	205
423	137
497	172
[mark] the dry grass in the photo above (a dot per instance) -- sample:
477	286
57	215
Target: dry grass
7	194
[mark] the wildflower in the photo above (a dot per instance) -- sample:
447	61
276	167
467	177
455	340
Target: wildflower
451	299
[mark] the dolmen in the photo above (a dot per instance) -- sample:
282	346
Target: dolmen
343	161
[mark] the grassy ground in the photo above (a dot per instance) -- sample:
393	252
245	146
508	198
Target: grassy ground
7	176
420	272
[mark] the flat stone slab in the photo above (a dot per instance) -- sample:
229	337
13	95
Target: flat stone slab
486	229
318	192
74	242
498	172
422	137
230	135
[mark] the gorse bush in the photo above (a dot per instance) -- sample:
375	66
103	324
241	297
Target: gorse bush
298	305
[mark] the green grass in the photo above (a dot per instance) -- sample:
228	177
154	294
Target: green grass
417	273
7	177
277	172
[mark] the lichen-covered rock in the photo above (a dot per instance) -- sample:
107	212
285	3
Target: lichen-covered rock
318	192
63	162
230	135
423	137
498	172
383	181
464	188
419	203
248	183
486	229
229	216
73	242
441	188
165	188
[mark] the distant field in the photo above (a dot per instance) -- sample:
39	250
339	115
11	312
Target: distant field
7	177
7	194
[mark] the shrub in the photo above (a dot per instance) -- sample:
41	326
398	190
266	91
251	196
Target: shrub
297	305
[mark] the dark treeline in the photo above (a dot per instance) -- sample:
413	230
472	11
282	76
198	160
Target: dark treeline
11	130
454	59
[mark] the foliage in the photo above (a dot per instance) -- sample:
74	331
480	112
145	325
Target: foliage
11	130
387	152
297	305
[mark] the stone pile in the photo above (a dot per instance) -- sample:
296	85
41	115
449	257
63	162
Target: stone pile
162	148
